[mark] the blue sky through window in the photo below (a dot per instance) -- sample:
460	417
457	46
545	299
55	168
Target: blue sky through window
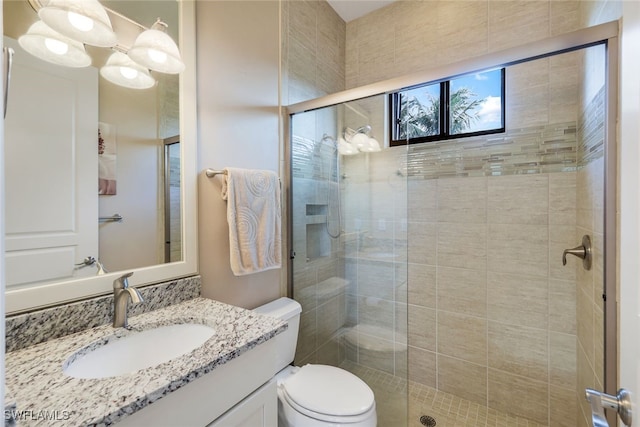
487	87
475	106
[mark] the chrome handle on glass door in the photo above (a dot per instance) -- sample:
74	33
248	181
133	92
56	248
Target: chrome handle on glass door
600	401
583	251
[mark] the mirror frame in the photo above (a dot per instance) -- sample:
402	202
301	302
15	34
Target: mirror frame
36	297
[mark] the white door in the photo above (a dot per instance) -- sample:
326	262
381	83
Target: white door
51	133
629	207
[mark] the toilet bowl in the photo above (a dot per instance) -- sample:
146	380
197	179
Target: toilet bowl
315	395
380	347
321	396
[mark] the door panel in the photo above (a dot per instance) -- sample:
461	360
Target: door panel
51	199
629	205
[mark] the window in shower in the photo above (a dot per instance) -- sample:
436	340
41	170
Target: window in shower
469	105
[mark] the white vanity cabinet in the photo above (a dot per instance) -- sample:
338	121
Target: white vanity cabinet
260	409
241	392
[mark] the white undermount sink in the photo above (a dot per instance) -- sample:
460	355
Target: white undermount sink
139	350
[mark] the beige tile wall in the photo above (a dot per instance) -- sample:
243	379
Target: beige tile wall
313	50
521	241
468	256
491	310
374	210
589	302
313	64
412	36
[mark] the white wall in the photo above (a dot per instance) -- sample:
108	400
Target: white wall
629	205
238	65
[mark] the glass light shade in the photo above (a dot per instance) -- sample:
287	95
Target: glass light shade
83	20
360	140
51	46
371	146
157	51
121	70
345	148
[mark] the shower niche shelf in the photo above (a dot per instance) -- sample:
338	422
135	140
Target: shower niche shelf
318	241
314	209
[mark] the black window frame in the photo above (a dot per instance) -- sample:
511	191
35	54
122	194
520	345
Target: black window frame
444	122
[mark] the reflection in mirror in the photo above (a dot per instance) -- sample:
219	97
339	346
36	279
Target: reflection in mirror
172	235
82	151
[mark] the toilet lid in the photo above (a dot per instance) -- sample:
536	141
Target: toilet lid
329	390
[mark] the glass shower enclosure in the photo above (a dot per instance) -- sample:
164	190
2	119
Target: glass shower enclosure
434	271
349	233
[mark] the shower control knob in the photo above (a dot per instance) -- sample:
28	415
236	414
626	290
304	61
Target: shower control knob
583	252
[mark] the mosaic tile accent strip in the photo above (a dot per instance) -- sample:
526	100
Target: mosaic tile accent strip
531	150
591	128
24	330
448	410
313	160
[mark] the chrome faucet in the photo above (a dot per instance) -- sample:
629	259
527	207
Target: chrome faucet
121	295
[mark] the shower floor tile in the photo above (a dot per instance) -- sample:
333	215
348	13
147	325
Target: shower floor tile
447	409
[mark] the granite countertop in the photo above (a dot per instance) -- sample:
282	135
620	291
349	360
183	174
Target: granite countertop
48	396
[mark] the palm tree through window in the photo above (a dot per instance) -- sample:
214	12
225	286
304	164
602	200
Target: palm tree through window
469	105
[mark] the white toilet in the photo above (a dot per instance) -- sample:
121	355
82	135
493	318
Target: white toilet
315	395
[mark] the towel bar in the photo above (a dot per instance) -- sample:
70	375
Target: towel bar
211	173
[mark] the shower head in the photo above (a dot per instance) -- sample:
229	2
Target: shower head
326	137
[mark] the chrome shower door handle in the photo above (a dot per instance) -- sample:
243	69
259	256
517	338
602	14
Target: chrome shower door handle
621	403
583	252
7	53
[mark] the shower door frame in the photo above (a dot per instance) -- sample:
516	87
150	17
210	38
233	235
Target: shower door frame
603	34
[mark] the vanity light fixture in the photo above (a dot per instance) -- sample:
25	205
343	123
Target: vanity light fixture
66	24
121	70
47	44
359	140
372	146
156	50
346	148
83	20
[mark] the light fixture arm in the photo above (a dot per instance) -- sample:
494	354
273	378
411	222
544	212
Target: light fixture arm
364	129
160	25
348	132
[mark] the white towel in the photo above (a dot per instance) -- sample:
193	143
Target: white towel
253	214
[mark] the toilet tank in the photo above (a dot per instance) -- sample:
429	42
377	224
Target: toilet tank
288	310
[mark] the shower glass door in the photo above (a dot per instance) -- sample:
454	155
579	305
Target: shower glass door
349	235
435	271
499	328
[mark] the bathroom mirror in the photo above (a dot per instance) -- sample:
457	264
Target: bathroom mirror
154	135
